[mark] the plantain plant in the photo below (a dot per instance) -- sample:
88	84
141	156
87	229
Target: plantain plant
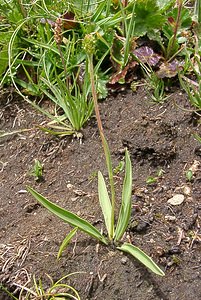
115	230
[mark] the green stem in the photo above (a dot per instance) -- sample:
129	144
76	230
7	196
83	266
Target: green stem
64	65
7	292
180	2
129	34
104	142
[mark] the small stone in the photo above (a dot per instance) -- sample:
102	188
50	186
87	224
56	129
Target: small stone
195	166
186	190
170	218
124	260
176	199
174	250
22	191
142	226
69	186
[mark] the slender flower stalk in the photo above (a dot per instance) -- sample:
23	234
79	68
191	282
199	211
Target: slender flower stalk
58	39
177	23
89	45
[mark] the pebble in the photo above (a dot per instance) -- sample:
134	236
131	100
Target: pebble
186	190
22	191
176	199
170	218
69	186
124	260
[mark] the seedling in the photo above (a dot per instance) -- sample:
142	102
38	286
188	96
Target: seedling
151	180
93	175
189	175
119	168
154	179
37	170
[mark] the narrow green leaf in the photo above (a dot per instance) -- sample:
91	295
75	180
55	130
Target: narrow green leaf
197	137
125	210
66	241
142	257
60	133
104	201
42	45
68	217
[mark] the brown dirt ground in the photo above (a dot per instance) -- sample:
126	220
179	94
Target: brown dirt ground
158	137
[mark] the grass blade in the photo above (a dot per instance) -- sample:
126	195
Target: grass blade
125	210
66	241
142	257
197	137
68	217
104	201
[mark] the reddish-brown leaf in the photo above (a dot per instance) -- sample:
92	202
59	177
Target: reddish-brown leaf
147	55
168	69
122	73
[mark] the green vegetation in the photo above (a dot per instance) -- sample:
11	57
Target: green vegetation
57	290
154	179
42	53
193	86
37	170
108	205
71	52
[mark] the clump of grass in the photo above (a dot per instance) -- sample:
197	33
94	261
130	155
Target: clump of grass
193	86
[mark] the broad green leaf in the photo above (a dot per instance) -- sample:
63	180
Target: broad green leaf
68	217
125	210
142	257
3	59
4	40
148	17
66	241
111	178
104	201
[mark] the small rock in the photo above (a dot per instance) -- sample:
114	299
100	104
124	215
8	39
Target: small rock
195	166
142	226
176	199
22	191
69	186
124	260
186	190
170	218
174	250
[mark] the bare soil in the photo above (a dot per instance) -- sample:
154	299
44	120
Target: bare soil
159	137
